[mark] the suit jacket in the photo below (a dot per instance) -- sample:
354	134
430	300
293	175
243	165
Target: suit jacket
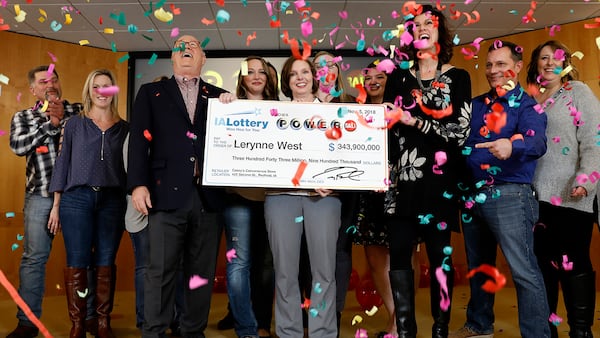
165	163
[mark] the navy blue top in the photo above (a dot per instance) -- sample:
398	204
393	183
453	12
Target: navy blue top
89	156
522	118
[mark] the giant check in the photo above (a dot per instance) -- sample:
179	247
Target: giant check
275	144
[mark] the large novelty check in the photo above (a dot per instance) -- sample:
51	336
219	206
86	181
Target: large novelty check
275	144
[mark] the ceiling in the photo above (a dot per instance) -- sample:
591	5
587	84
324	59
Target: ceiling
136	28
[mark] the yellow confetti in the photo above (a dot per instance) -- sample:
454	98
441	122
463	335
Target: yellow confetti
163	15
578	55
371	312
4	79
58	287
17	10
244	69
41	19
109	31
566	71
21	16
83	42
44	107
510	85
598	42
43	13
68	19
356	320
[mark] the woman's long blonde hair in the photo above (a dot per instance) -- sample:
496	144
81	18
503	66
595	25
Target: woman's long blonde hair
86	94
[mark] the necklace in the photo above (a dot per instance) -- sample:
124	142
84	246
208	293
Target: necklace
438	73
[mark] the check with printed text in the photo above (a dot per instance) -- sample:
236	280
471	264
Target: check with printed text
275	144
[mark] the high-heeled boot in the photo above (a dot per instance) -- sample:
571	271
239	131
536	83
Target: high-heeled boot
580	298
403	292
76	281
441	317
105	295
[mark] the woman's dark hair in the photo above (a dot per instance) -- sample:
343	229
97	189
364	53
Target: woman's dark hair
532	68
285	76
444	36
270	91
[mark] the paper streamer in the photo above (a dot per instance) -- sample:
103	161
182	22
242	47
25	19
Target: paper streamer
299	172
489	285
444	296
24	307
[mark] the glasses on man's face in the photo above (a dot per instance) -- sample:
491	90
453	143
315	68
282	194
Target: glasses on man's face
181	45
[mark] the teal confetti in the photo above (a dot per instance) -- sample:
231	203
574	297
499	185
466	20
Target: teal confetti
313	312
351	228
124	58
565	150
153	59
480	198
10	214
496	193
466	218
447	195
405	65
14	247
494	170
19	237
442	226
318	288
447	250
55	26
456	40
342	111
513	12
205	42
113	47
132	28
480	184
223	16
557	70
139	76
424	219
245	3
299	219
360	45
467	151
160	3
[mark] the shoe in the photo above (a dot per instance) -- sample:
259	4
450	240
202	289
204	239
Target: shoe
23	331
465	332
227	323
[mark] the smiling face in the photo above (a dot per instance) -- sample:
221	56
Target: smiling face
547	63
45	86
256	79
426	31
98	100
375	84
301	79
188	57
501	67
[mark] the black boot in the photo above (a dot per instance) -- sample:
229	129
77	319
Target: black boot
403	292
580	298
551	279
441	318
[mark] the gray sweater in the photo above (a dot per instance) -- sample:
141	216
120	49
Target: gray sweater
572	150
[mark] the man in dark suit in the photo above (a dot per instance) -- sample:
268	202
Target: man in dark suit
166	149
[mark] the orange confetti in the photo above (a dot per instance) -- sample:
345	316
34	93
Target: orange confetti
306	49
362	93
496	119
147	135
176	11
250	38
207	22
41	150
491	286
299	172
100	21
24	307
220	3
275	24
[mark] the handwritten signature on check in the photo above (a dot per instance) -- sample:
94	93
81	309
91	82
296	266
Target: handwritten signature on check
338	173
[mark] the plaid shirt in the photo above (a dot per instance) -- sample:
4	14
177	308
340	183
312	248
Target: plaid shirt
32	135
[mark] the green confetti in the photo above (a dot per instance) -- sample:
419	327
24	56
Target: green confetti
124	58
153	59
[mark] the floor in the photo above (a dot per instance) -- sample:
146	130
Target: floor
56	319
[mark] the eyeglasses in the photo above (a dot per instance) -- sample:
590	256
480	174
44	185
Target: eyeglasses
181	45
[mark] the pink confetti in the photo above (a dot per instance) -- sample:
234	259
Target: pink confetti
52	57
230	255
274	112
559	55
582	178
568	266
555	200
343	15
191	135
594	176
395	15
530	132
361	333
386	66
197	281
556	139
50	70
440	157
19	94
555	319
306	28
444	297
107	91
554	29
174	32
2	132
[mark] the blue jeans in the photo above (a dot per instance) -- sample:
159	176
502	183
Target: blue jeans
36	249
92	219
506	220
238	218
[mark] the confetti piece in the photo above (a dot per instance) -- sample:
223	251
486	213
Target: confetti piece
372	311
274	112
41	150
147	135
567	266
356	320
447	250
299	219
162	15
333	133
444	295
424	219
19	237
556	200
196	282
491	286
191	135
301	167
223	16
230	255
107	91
318	288
362	93
124	58
306	28
174	32
207	22
313	312
4	79
56	26
205	42
153	59
361	333
84	42
14	247
10	214
305	304
555	319
82	294
442	226
68	19
109	31
21	304
132	28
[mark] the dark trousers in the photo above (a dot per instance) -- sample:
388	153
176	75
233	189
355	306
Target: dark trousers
191	234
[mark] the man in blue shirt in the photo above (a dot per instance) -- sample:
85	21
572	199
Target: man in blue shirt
507	137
